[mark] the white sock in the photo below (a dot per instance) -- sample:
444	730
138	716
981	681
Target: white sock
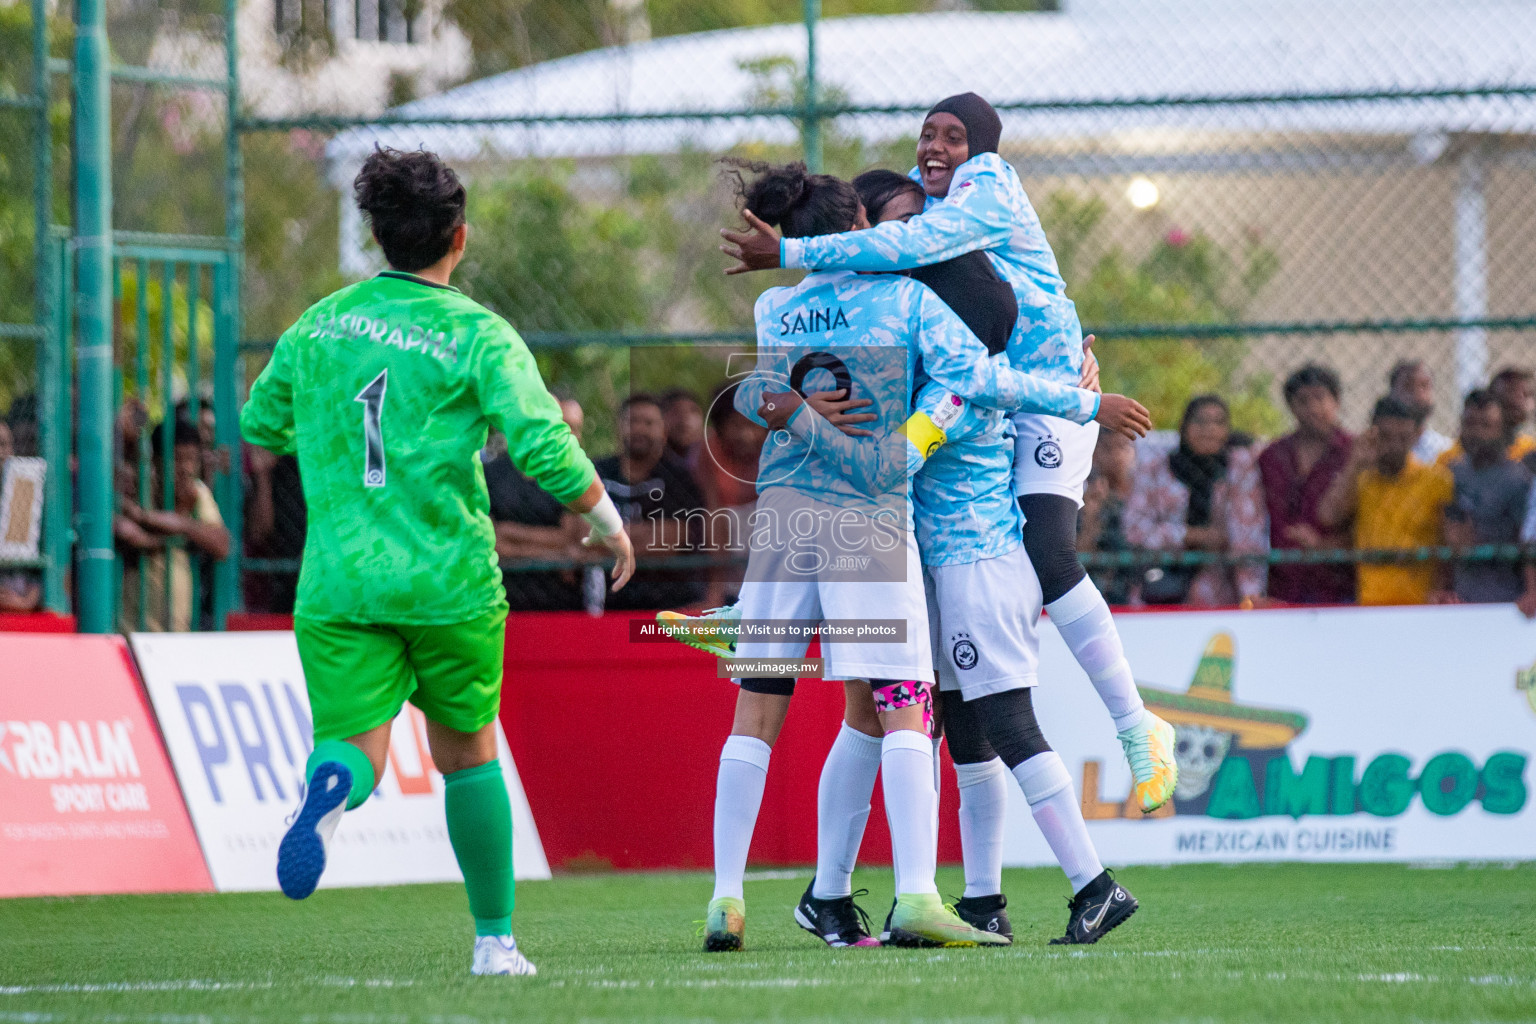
906	772
983	799
1052	800
842	809
738	796
938	793
1084	622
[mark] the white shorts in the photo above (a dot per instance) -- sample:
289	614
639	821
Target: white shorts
892	589
985	619
1052	455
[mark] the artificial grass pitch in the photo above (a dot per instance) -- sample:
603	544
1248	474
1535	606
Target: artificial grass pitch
1256	942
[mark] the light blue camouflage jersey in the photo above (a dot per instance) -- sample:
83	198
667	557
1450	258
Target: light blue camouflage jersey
866	333
986	209
959	456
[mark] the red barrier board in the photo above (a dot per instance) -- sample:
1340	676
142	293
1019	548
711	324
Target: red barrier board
618	745
36	622
88	803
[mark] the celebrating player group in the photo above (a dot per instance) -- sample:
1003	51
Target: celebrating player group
996	429
932	409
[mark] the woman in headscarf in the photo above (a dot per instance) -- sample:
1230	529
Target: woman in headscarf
1204	495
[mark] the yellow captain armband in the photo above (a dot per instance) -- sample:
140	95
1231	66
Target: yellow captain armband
923	434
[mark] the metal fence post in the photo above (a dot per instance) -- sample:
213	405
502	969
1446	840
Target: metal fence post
92	242
42	159
52	363
812	117
226	386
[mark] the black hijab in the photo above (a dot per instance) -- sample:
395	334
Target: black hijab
972	287
968	284
1200	473
983	128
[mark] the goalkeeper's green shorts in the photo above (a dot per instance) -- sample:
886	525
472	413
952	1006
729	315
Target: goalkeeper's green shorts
361	674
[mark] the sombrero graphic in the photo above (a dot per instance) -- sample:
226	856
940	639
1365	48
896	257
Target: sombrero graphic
1208	702
1525	679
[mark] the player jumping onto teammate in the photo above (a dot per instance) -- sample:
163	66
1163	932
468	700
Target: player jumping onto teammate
864	332
976	202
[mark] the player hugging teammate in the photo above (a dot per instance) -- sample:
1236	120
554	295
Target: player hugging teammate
385	390
985	598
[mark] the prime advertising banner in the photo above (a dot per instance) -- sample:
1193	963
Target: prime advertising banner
88	803
237	724
1340	734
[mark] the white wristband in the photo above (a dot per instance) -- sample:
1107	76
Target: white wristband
604	518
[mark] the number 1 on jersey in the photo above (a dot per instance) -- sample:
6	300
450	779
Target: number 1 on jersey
372	398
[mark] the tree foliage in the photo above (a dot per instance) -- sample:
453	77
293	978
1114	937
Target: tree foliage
1186	278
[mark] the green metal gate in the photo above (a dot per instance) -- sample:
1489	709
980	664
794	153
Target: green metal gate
175	356
122	321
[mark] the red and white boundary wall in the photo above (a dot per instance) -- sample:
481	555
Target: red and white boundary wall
1335	734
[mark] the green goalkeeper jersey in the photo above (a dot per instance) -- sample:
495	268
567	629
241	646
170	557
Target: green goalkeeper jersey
385	391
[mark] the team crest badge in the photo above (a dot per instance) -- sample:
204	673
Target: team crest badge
963	651
1048	453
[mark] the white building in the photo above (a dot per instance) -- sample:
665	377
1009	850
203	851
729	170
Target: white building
339	57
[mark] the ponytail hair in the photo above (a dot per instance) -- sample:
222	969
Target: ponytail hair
794	200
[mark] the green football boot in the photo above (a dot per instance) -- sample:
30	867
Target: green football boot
725	924
922	919
712	631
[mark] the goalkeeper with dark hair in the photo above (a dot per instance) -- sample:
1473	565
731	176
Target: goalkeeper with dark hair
385	391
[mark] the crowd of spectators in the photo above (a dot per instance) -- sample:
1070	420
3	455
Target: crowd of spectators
683	477
1394	491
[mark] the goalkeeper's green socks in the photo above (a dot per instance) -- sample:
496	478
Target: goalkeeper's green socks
480	829
356	762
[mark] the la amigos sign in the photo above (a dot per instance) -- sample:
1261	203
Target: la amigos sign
1304	735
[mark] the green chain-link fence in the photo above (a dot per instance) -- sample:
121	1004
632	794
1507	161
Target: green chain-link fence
119	263
1232	189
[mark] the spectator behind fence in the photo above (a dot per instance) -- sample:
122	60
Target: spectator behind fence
1515	391
1489	502
654	493
192	526
1394	501
132	419
22	419
1527	601
727	476
1410	383
215	458
685	427
276	520
1297	470
1101	523
1202	496
19	589
533	527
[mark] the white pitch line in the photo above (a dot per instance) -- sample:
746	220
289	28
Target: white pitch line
773	875
694	983
194	985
